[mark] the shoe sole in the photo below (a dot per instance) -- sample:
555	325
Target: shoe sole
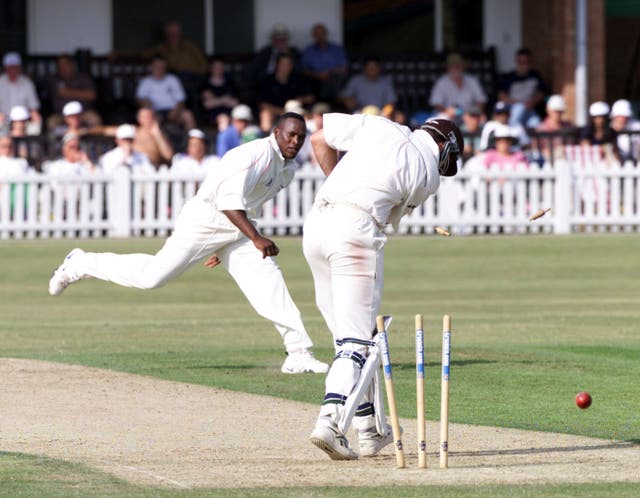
330	450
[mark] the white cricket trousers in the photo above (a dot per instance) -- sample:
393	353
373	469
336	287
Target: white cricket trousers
345	251
201	231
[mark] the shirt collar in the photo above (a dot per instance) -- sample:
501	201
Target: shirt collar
276	148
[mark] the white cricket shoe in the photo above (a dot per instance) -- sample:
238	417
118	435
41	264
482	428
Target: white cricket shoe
329	439
64	274
371	442
301	362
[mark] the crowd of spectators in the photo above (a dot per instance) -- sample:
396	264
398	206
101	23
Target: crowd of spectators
190	110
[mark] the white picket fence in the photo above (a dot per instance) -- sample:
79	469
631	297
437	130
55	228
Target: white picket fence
584	194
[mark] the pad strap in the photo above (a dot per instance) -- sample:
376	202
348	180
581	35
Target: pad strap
351	355
334	399
365	409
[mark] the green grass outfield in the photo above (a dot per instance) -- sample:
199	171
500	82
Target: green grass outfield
535	320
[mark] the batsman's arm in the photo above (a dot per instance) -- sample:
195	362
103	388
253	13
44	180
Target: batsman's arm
326	156
239	218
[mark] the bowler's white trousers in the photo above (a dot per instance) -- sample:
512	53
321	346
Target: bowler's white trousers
345	251
199	232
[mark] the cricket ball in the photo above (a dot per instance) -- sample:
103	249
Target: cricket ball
583	400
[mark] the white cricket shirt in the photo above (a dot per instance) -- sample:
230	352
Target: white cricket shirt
388	170
247	176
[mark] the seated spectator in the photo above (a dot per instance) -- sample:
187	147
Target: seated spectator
524	89
598	131
622	123
195	159
10	165
231	136
17	89
503	157
471	128
164	93
325	64
124	154
218	92
277	88
456	90
74	160
370	87
501	117
150	139
265	60
73	115
20	124
70	86
23	133
183	57
554	122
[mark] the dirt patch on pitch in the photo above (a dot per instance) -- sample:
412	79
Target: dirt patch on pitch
156	432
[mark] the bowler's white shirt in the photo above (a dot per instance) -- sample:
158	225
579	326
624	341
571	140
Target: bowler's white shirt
137	162
388	170
164	94
247	176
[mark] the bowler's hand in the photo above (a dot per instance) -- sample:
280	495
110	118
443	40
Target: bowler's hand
212	262
266	247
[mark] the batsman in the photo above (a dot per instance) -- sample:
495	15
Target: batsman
386	172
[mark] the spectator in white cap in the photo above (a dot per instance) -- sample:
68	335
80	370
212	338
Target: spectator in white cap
598	131
73	163
73	113
501	113
19	127
231	136
195	159
623	124
18	119
17	89
124	154
554	122
556	107
502	157
74	160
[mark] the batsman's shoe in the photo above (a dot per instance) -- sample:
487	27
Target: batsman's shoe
64	274
371	442
301	362
329	439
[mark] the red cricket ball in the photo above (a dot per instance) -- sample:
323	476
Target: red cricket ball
583	400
